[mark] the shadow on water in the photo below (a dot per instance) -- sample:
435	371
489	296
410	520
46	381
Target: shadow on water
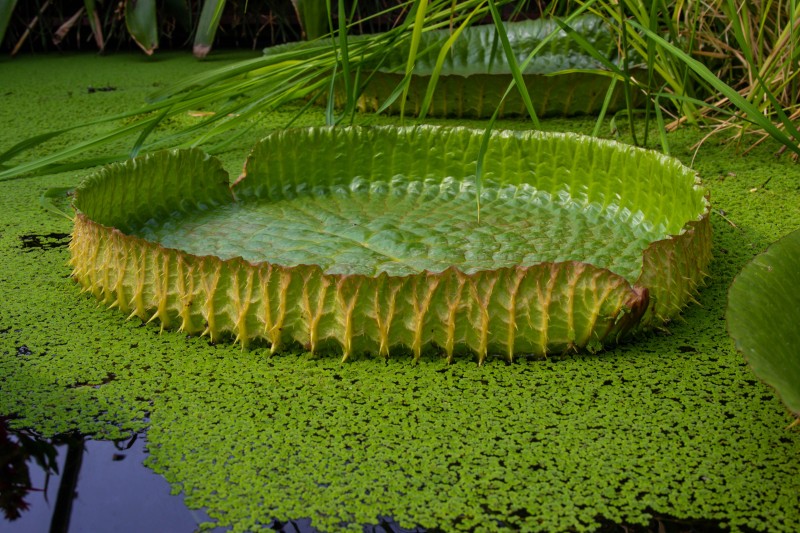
44	241
72	483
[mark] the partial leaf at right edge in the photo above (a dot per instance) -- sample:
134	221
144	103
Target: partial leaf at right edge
764	318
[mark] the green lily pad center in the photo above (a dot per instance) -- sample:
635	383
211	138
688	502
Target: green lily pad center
405	227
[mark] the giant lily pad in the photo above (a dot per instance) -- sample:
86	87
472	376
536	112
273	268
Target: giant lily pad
369	240
764	317
562	79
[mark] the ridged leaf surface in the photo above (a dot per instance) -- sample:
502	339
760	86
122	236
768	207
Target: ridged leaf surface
372	241
764	317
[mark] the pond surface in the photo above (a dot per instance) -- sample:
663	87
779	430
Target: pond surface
673	424
112	489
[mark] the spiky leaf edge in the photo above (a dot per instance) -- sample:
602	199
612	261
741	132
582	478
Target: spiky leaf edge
478	312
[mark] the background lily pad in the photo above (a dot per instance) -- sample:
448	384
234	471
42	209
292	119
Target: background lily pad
562	79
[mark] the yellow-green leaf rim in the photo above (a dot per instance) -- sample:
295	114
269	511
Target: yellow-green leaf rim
367	240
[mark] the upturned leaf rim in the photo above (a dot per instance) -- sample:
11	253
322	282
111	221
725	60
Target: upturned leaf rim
538	309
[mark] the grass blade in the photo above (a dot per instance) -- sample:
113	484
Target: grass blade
345	59
48	198
741	103
626	82
651	59
313	17
604	109
589	48
513	65
662	128
330	116
437	69
31	142
746	46
416	35
146	132
94	24
400	89
46	162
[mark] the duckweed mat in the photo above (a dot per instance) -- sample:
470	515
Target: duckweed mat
673	424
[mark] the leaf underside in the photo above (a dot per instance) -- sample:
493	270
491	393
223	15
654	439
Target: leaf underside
764	317
370	241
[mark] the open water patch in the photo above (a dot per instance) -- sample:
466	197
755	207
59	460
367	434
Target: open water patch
72	483
44	241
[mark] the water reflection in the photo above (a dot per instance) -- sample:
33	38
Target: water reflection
17	448
73	483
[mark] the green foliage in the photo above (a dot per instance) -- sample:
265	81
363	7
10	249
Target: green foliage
239	93
745	52
674	424
420	9
511	61
467	72
6	8
140	18
313	17
659	35
745	107
207	27
764	318
729	63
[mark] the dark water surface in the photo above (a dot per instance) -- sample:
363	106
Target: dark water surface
111	488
